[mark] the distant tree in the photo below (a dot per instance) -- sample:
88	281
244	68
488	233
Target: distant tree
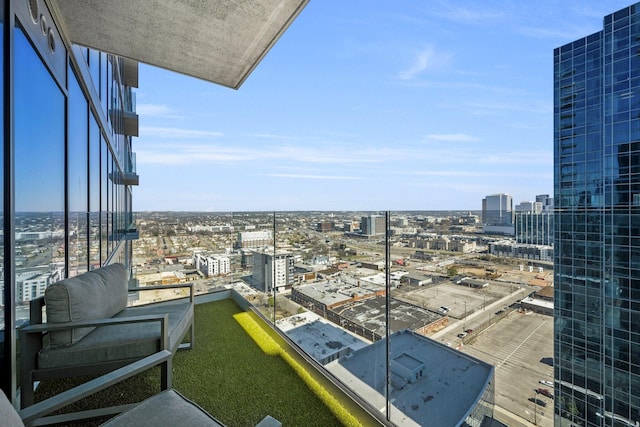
452	271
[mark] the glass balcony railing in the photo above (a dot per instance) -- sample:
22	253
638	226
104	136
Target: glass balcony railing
129	102
353	296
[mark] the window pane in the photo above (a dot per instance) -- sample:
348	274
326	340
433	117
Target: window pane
39	176
94	193
77	179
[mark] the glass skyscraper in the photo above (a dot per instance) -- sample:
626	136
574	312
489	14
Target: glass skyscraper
69	70
597	227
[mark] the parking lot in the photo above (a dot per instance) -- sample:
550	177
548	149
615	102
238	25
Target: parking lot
459	299
521	349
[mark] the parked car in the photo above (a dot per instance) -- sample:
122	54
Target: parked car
538	402
468	331
462	335
545	392
547	383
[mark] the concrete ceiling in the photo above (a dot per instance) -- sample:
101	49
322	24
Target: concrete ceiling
220	41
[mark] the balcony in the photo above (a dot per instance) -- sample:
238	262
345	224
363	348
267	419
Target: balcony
131	231
240	371
130	176
131	125
331	316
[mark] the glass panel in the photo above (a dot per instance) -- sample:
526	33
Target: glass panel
78	156
5	373
94	193
104	197
104	99
94	68
39	176
110	205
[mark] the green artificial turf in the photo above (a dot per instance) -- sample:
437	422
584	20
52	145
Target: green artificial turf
226	374
230	377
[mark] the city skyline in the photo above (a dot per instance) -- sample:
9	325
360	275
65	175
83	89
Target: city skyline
411	107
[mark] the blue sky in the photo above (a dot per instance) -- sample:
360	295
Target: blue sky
368	105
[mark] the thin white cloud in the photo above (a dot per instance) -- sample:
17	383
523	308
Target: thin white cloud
171	132
461	85
472	174
156	110
534	106
509	158
565	33
452	137
322	153
276	136
481	15
424	60
305	176
333	153
188	158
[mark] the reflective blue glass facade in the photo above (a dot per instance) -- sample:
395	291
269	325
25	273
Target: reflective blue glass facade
66	153
597	225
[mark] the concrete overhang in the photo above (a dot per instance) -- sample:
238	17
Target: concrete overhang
217	41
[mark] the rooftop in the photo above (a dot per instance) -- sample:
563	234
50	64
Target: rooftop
331	293
451	383
371	314
320	338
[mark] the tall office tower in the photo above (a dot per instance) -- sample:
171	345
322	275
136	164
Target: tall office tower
372	225
497	214
597	244
497	209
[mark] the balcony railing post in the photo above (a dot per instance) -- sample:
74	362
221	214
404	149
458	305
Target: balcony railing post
387	309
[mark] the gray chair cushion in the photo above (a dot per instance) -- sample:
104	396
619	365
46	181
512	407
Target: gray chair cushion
122	342
92	295
168	408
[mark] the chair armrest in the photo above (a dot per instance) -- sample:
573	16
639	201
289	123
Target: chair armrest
35	310
161	287
33	412
48	327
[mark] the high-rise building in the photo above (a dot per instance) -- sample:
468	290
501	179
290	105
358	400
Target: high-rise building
529	206
325	226
255	239
547	202
497	214
271	270
534	228
68	124
372	225
597	249
212	265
